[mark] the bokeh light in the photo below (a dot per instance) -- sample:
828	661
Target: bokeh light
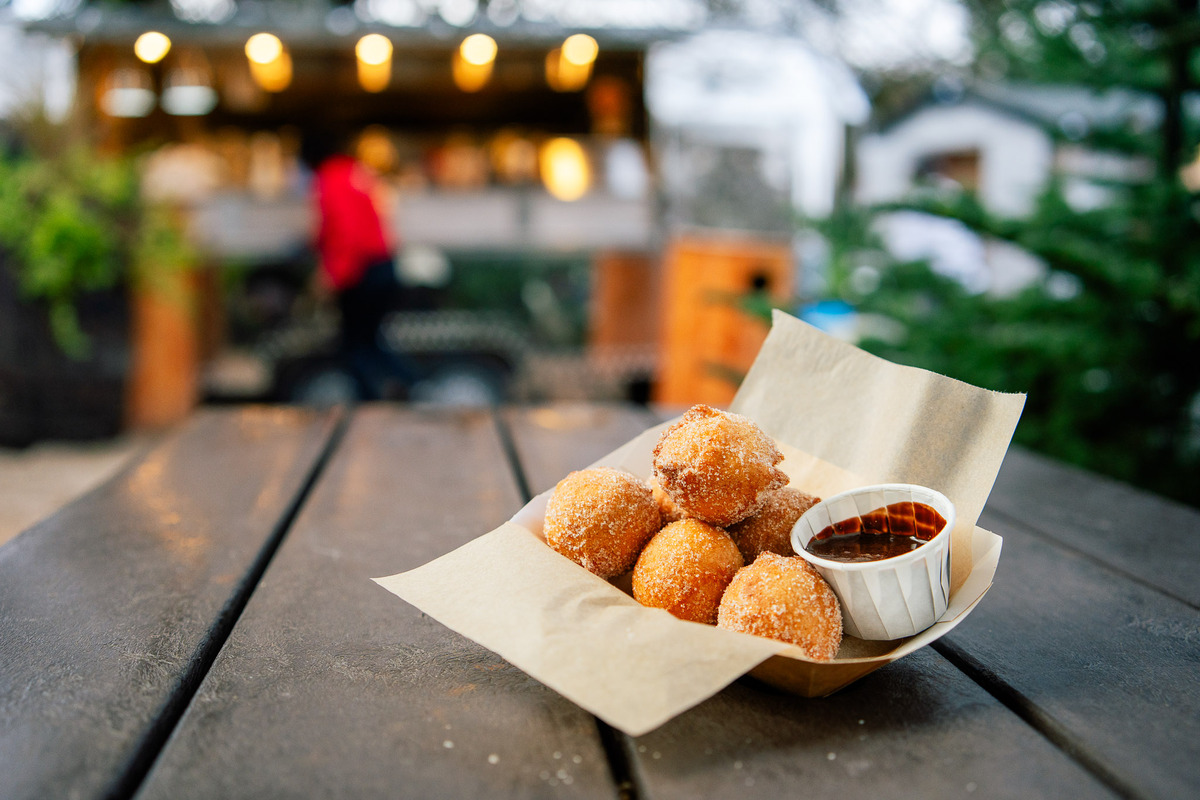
566	173
580	49
373	49
563	75
152	47
263	48
374	56
478	49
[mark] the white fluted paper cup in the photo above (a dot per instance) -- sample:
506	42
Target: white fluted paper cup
888	598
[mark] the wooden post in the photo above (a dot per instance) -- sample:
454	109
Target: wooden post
164	375
625	301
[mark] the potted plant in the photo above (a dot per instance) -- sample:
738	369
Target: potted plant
75	239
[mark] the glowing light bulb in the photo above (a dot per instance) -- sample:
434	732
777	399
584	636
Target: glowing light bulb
580	49
373	49
563	75
263	48
275	75
478	49
152	47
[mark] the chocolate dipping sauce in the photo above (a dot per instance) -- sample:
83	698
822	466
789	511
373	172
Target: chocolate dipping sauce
883	533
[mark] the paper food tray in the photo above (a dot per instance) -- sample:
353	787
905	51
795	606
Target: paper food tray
842	418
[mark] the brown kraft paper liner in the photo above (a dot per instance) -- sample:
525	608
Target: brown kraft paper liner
843	418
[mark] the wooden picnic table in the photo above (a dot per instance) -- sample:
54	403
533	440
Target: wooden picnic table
204	625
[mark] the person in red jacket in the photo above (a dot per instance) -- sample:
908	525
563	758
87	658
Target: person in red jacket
356	262
351	238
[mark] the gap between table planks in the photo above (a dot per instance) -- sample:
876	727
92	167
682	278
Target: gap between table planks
920	717
330	686
111	609
919	722
1085	632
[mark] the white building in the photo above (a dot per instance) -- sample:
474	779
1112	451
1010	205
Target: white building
35	71
769	95
994	141
1006	158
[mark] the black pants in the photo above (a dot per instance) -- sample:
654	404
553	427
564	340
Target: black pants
378	370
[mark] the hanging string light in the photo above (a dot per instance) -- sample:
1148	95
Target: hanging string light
478	49
263	48
569	67
152	46
580	49
374	55
270	62
473	62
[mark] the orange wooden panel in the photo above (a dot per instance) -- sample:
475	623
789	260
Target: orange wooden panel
164	379
625	301
708	341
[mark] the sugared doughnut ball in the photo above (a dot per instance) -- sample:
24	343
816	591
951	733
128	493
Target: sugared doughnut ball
670	510
769	530
685	569
600	519
784	598
717	465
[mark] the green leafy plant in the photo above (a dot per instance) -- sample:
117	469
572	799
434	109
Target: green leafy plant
1104	345
73	222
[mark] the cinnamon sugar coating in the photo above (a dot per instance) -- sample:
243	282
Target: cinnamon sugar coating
716	465
769	530
670	510
600	519
784	598
685	569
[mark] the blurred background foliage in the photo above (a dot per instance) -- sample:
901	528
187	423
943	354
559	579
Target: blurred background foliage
1107	343
546	294
73	222
64	223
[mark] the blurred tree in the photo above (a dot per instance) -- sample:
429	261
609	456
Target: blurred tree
1107	345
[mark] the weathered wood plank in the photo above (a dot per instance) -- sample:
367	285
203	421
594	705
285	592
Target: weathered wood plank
552	441
1104	665
1148	537
329	686
106	606
916	728
923	722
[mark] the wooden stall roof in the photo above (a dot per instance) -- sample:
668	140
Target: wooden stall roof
320	37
